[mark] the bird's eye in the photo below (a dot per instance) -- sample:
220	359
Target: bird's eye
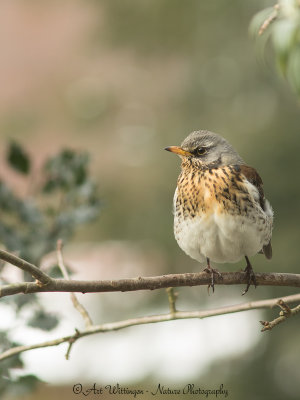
200	151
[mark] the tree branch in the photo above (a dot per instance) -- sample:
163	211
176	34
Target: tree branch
26	266
148	283
284	314
107	327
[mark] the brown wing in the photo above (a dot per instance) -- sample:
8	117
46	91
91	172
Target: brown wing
253	177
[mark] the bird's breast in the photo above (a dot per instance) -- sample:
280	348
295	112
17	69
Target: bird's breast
217	215
203	192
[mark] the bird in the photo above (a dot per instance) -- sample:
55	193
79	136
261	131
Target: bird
220	211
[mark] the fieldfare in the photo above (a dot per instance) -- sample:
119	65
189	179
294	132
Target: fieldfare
220	211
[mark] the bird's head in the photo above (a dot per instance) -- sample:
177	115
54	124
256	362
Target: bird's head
204	149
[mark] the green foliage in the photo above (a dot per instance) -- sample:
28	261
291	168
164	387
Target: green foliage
65	198
281	24
18	386
7	382
18	159
65	171
55	271
23	385
43	320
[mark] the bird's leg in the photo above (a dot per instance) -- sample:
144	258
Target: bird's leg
212	272
250	276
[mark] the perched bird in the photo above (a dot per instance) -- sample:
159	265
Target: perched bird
220	211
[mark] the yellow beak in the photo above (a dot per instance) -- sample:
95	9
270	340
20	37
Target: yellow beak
178	150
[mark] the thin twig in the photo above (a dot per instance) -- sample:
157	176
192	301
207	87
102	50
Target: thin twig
152	319
60	259
71	341
77	305
41	277
284	307
172	300
283	315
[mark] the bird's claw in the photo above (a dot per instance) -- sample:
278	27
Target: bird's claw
250	277
212	272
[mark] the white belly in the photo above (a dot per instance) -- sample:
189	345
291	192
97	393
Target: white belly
222	237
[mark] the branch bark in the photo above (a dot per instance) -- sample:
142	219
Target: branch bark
147	283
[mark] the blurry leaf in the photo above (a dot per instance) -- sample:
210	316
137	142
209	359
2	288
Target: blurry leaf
258	20
29	213
4	380
21	301
293	69
8	201
282	23
5	342
283	37
43	320
10	237
23	385
17	158
66	170
81	214
55	271
13	362
28	382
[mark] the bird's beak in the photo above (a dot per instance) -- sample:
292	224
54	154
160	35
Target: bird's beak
178	150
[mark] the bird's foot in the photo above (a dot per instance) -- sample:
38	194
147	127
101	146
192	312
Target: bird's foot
250	276
212	272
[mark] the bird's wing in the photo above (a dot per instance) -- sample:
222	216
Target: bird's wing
253	177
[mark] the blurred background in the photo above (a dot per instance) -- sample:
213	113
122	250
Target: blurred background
121	80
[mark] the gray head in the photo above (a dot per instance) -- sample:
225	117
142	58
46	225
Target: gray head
206	149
